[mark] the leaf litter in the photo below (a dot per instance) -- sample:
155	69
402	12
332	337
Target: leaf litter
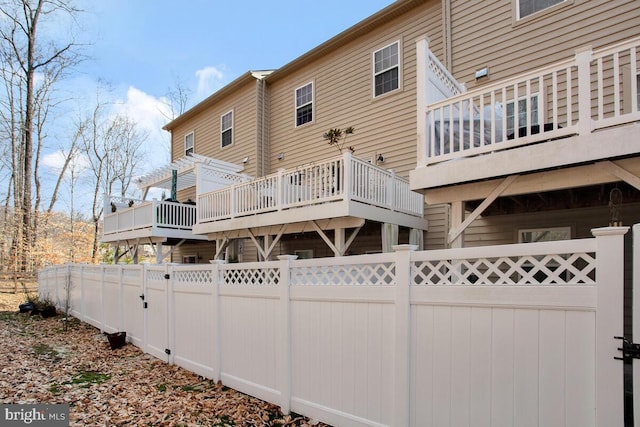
41	363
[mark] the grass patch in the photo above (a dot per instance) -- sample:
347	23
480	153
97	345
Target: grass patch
55	389
85	379
162	387
46	350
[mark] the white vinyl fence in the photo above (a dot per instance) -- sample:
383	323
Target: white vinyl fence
493	336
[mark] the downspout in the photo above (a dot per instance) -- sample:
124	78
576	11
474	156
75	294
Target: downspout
446	33
263	83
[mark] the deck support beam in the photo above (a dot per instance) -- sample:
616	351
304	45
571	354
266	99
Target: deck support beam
269	244
619	172
340	246
458	229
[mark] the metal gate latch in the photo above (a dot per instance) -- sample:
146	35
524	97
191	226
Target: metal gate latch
629	349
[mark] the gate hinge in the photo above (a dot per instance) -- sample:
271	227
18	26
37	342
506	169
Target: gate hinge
145	305
629	349
166	350
167	276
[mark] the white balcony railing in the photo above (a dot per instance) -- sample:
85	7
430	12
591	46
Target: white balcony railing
342	178
145	214
592	91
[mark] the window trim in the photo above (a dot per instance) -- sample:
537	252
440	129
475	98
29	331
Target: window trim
222	131
191	134
565	229
549	9
296	107
374	74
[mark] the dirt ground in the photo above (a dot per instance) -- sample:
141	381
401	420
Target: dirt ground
42	363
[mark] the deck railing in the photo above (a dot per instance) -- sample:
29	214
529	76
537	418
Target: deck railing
594	90
342	178
137	214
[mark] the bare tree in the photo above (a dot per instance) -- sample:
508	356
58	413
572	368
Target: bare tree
111	144
27	54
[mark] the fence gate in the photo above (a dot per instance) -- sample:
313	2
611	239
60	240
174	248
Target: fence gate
156	320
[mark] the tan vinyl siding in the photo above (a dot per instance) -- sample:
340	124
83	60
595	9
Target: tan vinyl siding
206	126
436	236
343	97
203	251
503	229
485	34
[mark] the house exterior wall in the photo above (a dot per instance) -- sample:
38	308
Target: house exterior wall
343	86
466	36
486	34
206	128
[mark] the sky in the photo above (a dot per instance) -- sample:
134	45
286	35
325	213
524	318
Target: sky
142	48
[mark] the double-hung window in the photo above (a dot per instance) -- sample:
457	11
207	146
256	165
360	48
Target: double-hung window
189	143
386	69
304	104
226	129
529	7
523	108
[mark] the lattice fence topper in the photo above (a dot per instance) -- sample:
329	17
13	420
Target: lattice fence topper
252	276
352	274
557	269
155	275
131	273
204	277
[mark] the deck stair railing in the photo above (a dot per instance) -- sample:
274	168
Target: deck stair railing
592	91
341	178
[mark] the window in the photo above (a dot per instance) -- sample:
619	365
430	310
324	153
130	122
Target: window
529	7
304	253
544	234
522	116
226	129
386	69
189	141
188	259
304	104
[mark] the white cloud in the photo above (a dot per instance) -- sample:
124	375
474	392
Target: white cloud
210	79
55	161
150	114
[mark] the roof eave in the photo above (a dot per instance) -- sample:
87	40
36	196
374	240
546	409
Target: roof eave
213	98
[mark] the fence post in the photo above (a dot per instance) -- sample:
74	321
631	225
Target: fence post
83	304
609	323
285	331
402	376
216	279
102	275
121	326
170	312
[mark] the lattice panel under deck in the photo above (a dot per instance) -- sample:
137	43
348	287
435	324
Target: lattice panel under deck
265	276
558	269
353	274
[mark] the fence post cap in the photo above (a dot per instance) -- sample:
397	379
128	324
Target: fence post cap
609	231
